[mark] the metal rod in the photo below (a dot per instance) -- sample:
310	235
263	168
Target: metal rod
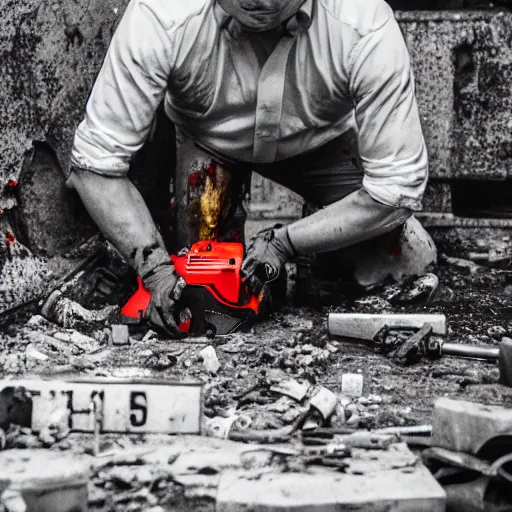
470	351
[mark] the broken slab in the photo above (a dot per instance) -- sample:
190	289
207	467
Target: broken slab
44	481
410	488
466	426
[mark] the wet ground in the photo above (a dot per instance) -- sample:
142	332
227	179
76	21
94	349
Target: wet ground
477	302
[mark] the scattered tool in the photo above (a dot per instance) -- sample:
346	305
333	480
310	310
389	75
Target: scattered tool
373	328
366	326
215	301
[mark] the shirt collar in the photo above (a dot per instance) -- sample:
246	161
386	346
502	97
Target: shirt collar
302	20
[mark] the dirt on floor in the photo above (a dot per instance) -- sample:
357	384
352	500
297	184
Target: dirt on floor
294	343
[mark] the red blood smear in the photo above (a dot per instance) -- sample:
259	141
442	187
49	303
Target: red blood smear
211	172
12	183
196	179
10	238
394	250
185	326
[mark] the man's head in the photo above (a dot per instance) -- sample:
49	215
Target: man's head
261	15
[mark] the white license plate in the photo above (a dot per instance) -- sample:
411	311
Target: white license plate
114	406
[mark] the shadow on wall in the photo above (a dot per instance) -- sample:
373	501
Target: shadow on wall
50	218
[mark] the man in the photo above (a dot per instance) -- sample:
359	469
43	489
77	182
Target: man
282	87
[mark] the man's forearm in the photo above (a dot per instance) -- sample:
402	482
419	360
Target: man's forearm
120	213
353	219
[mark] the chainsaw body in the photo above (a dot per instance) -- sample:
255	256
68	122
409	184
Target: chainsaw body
215	301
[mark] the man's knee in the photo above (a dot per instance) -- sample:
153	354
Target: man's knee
406	252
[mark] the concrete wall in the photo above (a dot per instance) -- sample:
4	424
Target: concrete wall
50	52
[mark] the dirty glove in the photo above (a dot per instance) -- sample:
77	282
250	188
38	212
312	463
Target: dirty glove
265	258
165	286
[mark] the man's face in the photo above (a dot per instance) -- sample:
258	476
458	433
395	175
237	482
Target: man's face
261	15
262	6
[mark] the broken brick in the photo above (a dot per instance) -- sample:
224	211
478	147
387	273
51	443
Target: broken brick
120	335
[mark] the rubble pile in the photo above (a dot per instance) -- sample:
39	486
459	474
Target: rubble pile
285	398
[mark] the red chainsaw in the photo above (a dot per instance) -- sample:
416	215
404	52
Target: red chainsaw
216	300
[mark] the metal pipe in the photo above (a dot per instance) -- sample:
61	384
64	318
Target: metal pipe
413	430
470	351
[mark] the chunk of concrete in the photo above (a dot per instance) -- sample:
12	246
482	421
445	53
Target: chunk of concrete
210	360
414	491
325	402
120	335
352	384
466	427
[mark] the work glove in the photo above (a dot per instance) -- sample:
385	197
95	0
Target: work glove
165	286
266	256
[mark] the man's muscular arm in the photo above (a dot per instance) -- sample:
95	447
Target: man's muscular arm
119	116
391	147
121	214
390	141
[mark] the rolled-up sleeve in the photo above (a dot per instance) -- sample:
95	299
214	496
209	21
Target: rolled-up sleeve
391	143
126	94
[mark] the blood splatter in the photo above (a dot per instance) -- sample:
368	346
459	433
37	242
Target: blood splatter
394	250
12	183
211	171
10	238
196	179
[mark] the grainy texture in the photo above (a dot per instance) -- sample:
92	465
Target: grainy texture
50	53
463	67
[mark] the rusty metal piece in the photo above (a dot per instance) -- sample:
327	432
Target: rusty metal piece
441	456
414	348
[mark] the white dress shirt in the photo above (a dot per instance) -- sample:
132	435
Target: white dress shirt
346	67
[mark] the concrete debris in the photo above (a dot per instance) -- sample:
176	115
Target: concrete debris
419	290
324	401
467	427
81	341
32	354
291	388
210	360
120	335
352	384
45	481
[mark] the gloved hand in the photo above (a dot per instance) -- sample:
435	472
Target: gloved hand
266	255
165	286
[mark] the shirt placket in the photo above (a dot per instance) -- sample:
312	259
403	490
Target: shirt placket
269	103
